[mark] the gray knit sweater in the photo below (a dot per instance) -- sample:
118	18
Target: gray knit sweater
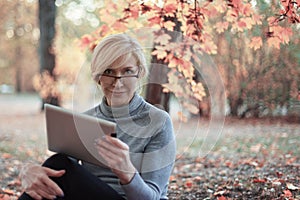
148	132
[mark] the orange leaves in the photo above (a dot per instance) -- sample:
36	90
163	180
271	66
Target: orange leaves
246	9
209	47
198	90
188	183
119	26
169	25
256	43
290	186
134	11
163	39
287	193
159	52
259	181
279	35
154	21
221	26
87	41
6	156
106	14
170	9
45	85
274	42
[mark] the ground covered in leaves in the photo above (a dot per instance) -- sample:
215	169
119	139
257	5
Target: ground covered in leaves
251	159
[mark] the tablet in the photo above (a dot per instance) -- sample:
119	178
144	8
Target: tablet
74	133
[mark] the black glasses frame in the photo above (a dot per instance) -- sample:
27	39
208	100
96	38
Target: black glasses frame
119	77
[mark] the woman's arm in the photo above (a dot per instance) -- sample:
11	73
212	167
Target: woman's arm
157	165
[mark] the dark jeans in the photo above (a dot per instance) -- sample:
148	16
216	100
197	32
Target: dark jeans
77	182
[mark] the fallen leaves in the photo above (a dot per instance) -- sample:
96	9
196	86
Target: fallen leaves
252	171
229	177
290	186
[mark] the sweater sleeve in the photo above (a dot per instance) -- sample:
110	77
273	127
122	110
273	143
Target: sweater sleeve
151	182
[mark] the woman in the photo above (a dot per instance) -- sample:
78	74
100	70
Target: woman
138	162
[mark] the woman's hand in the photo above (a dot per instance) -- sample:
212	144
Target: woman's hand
116	154
36	182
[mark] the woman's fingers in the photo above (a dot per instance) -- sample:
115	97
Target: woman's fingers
46	194
117	142
54	173
34	195
51	184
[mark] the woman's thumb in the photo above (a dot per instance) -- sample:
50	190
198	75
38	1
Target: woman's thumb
54	173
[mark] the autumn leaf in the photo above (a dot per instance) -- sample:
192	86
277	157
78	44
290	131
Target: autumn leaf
106	14
191	108
119	26
256	43
290	186
169	25
285	34
160	52
221	26
198	90
134	11
231	16
188	183
154	20
221	6
172	178
182	117
221	198
163	39
246	9
287	193
85	41
257	19
209	47
259	180
170	9
6	156
274	41
220	193
241	25
174	62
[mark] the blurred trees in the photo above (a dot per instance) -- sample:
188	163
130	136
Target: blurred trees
19	36
263	79
254	44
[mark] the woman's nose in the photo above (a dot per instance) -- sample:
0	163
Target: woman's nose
118	82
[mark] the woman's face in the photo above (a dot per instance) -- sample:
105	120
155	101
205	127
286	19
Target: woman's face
118	83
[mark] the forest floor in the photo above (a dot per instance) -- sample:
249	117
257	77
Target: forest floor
240	159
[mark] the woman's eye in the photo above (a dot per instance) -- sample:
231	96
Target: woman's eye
128	71
108	71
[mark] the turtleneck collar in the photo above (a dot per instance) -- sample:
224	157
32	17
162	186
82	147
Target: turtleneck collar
123	111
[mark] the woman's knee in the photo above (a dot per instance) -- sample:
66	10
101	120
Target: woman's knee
58	161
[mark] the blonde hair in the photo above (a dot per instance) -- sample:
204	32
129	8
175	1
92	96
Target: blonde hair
114	50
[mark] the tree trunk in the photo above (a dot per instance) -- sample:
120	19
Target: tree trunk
154	92
47	14
158	75
18	48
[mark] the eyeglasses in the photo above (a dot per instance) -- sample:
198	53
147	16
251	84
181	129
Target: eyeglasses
110	78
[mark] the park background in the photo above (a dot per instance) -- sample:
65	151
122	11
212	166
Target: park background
256	154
